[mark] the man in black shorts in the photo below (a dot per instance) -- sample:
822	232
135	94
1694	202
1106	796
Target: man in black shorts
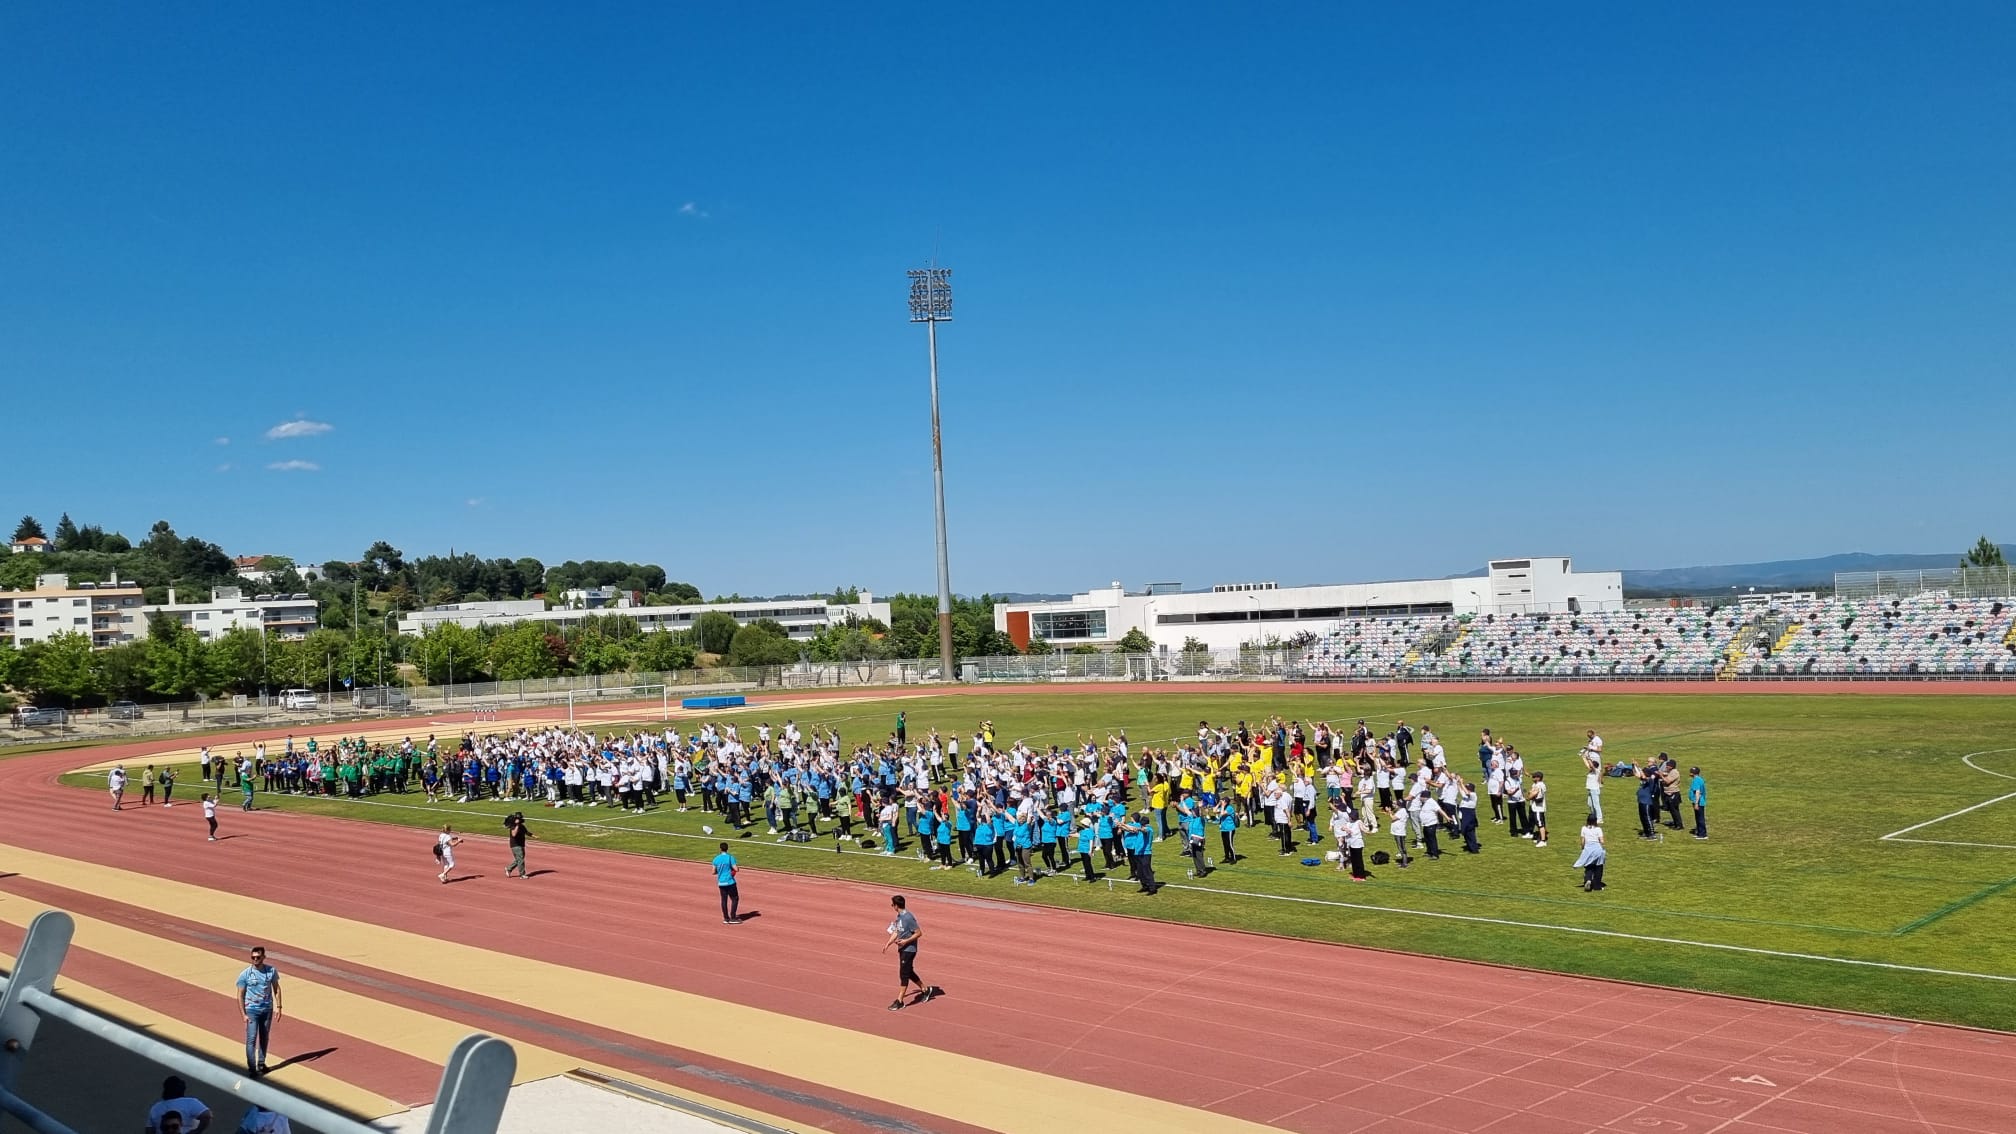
904	933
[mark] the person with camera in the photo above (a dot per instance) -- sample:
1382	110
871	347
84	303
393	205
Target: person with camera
516	833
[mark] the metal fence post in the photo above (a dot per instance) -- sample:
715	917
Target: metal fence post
42	952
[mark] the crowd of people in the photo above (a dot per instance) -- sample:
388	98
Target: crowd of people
1097	808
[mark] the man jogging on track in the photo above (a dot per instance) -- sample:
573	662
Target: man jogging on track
904	933
259	1003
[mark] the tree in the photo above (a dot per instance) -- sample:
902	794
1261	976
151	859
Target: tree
66	534
59	667
177	662
1984	553
715	631
121	671
844	595
681	593
757	644
449	651
1085	648
1194	646
664	651
1038	646
28	528
235	660
520	651
1136	642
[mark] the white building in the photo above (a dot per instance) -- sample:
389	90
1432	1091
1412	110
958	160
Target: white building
109	613
33	545
801	618
1236	614
283	616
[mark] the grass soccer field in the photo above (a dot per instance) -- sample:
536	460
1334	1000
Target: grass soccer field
1863	850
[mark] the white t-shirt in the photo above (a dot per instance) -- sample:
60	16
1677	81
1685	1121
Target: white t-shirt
190	1110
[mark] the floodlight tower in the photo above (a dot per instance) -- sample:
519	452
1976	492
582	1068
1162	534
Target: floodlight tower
931	304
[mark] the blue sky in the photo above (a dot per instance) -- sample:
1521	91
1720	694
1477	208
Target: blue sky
1307	293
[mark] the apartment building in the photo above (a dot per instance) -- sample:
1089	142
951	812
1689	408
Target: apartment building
283	616
108	613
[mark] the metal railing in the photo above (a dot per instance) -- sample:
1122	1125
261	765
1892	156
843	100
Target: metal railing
474	1083
1956	582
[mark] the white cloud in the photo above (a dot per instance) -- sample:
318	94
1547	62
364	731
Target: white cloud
474	502
295	466
691	209
299	427
223	441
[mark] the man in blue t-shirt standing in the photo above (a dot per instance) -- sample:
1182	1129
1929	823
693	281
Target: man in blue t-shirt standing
731	894
259	1003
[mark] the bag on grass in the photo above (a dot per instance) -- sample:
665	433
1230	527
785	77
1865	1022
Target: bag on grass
1381	858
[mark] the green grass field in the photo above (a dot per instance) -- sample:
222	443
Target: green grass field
1803	790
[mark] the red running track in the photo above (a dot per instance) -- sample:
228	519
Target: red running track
1299	1035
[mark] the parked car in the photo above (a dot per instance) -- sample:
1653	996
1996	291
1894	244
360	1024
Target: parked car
28	716
383	697
299	700
125	711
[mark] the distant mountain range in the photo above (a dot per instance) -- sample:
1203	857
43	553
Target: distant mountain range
1784	574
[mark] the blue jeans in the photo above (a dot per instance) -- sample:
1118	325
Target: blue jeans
258	1028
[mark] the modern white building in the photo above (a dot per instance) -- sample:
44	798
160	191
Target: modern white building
1235	614
283	616
801	618
109	613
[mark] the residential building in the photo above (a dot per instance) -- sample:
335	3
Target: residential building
283	616
108	613
33	545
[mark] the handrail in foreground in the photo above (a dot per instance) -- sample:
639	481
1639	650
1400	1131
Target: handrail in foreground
470	1100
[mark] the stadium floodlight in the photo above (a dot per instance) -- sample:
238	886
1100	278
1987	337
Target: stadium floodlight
931	304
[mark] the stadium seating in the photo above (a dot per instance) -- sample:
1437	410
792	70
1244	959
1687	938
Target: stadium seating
1922	634
1927	633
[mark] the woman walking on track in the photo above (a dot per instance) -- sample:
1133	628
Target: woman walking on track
210	815
444	850
904	933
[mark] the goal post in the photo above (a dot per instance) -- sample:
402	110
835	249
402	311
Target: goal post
626	695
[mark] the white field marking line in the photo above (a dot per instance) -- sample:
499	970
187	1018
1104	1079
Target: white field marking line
1968	760
1807	1082
1586	931
1953	843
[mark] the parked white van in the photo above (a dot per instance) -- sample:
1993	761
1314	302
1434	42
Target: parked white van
298	700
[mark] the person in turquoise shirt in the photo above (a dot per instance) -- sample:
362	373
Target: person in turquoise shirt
1192	820
1228	825
731	891
1697	794
1088	837
1023	834
1108	836
983	846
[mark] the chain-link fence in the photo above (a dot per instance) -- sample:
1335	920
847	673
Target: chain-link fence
1955	582
459	704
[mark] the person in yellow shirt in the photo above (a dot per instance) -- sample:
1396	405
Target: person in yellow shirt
1158	801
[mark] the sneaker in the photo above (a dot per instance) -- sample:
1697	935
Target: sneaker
262	1067
1540	843
213	838
773	830
896	1005
933	993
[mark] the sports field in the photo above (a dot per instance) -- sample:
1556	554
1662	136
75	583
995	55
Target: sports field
1863	850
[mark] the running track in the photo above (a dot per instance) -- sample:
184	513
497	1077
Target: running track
1295	1035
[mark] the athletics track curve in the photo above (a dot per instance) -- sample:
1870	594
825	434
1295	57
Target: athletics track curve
620	963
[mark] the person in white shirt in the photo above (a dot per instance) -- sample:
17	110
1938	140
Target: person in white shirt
259	1120
190	1116
1398	829
210	815
1592	780
116	781
444	850
1539	797
1593	855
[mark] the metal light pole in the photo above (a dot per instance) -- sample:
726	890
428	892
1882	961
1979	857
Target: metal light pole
931	304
